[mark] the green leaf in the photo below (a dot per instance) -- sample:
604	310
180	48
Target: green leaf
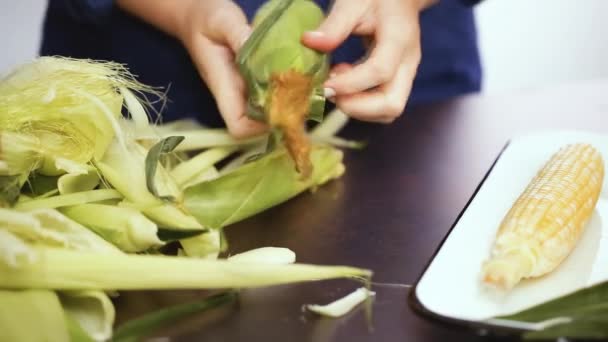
31	315
76	332
164	146
92	311
257	186
137	329
586	312
9	190
169	234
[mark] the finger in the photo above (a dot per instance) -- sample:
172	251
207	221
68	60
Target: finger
390	46
384	104
216	66
340	68
339	24
228	26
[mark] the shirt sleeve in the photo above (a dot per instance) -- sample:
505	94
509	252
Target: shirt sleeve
470	2
93	12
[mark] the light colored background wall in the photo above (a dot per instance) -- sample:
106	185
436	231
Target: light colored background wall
531	43
524	43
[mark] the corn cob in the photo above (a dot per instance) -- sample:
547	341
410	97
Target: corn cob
284	78
548	218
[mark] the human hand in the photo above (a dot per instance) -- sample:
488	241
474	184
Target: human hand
212	31
376	89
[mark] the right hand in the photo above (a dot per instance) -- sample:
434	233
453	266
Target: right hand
212	31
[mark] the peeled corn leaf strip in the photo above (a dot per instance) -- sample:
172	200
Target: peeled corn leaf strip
164	146
331	125
126	228
206	246
586	311
249	154
266	255
208	138
20	309
92	310
189	170
73	183
137	112
76	332
340	142
257	186
69	199
177	126
50	228
207	174
343	305
139	328
63	269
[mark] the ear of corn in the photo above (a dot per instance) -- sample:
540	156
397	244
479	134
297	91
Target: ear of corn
548	218
284	78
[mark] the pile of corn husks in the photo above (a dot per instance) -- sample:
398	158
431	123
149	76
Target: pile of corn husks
89	197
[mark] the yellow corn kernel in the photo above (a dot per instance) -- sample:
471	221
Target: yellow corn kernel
548	218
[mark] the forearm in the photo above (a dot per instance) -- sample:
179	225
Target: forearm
166	15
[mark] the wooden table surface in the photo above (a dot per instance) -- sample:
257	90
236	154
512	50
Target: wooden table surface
389	213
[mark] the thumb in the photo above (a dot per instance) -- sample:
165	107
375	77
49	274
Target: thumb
344	16
228	26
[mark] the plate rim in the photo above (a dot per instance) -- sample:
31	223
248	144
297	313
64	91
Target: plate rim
479	327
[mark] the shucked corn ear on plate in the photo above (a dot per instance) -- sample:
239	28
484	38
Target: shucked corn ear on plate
535	230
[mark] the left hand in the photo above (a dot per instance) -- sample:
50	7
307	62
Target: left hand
378	88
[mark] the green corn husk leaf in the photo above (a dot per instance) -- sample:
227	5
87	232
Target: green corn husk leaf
274	46
258	185
32	316
139	328
126	228
63	269
76	332
125	171
581	315
166	145
92	311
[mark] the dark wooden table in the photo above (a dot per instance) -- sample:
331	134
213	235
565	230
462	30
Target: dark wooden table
397	201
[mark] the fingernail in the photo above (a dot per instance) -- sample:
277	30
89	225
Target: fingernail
315	34
329	92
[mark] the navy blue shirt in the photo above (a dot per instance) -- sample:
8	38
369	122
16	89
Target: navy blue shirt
97	29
